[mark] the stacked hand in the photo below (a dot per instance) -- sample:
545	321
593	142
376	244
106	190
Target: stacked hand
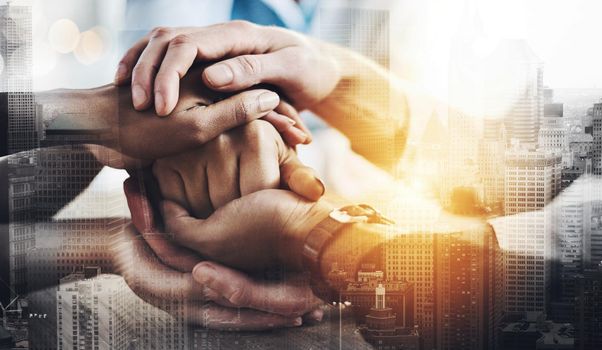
224	203
227	198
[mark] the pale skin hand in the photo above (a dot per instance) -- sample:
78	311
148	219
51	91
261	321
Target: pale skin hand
335	83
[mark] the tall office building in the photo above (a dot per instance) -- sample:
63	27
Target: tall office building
22	125
532	180
570	248
4	213
553	134
411	259
588	310
16	48
456	284
468	283
597	133
592	233
514	91
91	311
492	149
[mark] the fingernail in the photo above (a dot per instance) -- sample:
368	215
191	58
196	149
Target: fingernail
138	95
268	101
204	273
219	75
159	103
298	321
290	121
323	188
300	135
122	71
317	315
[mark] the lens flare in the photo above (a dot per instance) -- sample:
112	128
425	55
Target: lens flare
63	35
90	47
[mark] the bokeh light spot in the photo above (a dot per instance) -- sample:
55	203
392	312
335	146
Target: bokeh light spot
63	35
90	47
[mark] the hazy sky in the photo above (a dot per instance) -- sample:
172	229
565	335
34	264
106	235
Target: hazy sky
565	34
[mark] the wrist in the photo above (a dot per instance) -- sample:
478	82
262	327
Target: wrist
85	108
291	251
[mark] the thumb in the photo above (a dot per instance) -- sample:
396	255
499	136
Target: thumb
301	179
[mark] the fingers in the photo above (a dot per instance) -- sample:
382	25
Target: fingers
142	270
234	111
300	178
286	127
288	110
223	177
214	316
184	228
244	71
171	254
180	56
288	298
154	283
258	168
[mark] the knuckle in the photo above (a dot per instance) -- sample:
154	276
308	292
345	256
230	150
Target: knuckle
159	32
240	25
249	64
219	144
256	133
143	68
180	40
198	128
241	296
243	109
127	58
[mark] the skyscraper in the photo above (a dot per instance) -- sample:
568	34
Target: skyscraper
553	134
532	180
456	278
91	312
16	47
597	133
468	299
492	148
588	310
22	125
514	89
411	259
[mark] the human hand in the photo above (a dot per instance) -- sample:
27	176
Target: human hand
247	55
246	159
225	287
199	116
205	306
